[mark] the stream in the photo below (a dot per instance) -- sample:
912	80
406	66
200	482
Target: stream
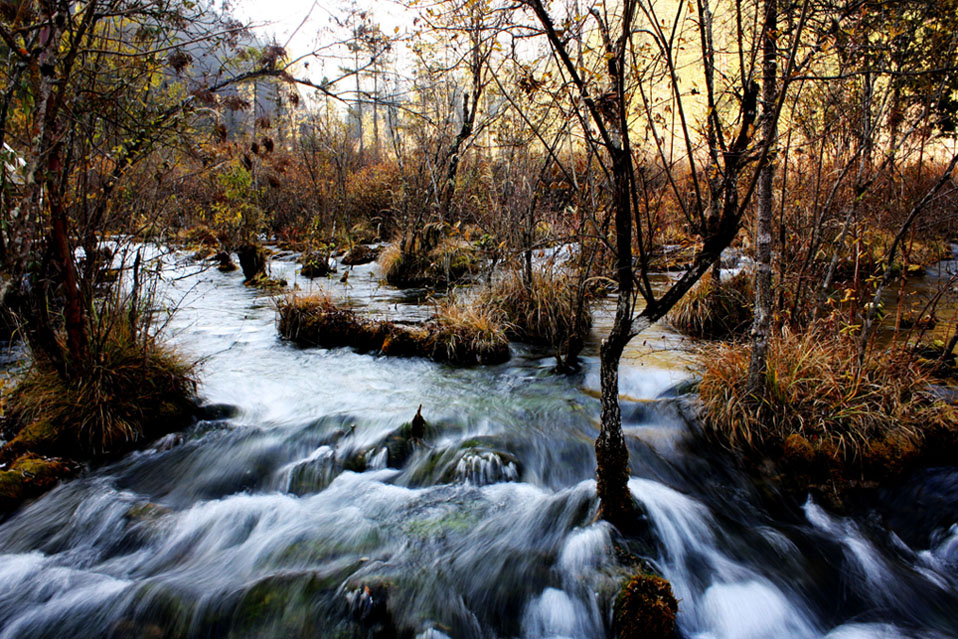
257	522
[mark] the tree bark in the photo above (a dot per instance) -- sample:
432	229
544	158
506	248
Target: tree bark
611	454
761	324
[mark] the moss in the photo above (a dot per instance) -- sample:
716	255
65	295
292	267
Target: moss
287	605
30	476
645	609
355	463
798	449
891	455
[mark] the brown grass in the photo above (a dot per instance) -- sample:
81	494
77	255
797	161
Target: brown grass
465	330
819	417
134	388
548	312
708	313
435	258
459	333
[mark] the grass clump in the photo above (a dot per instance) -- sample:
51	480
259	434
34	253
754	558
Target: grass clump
645	608
458	334
550	310
710	312
469	333
824	423
315	320
132	389
435	257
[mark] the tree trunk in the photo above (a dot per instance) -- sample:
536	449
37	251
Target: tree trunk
611	454
761	324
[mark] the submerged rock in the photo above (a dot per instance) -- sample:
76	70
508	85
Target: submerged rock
368	606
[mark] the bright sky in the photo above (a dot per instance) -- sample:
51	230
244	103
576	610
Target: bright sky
304	26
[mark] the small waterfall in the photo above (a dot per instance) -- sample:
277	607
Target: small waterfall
720	597
481	468
378	461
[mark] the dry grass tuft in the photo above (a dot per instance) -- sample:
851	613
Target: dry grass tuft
133	389
435	258
549	312
707	313
459	333
821	419
470	331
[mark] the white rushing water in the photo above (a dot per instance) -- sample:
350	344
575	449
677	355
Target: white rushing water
294	515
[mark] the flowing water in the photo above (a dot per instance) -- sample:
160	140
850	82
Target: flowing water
291	512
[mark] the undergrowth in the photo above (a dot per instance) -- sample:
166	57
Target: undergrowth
549	310
823	420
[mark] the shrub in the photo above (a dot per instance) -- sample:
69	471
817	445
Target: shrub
710	313
370	193
821	419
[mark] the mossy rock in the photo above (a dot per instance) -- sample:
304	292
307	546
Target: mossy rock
296	605
43	437
645	609
355	463
30	476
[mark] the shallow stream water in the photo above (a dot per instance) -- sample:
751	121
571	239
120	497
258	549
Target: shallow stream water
258	522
